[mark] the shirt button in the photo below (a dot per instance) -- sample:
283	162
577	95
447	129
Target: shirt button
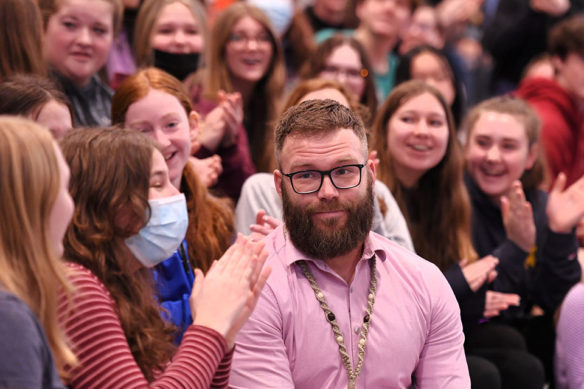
357	330
351	289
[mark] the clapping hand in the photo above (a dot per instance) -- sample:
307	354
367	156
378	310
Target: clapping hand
263	226
225	297
495	302
518	217
565	207
479	272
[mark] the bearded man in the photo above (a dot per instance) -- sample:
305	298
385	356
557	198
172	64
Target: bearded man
343	307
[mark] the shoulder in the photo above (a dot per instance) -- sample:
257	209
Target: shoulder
18	322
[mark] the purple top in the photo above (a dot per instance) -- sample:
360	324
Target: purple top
415	325
570	341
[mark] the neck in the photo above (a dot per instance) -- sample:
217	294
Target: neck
344	265
377	47
408	179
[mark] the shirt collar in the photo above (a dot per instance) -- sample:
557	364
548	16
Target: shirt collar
292	254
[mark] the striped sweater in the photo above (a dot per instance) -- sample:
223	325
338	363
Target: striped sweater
93	326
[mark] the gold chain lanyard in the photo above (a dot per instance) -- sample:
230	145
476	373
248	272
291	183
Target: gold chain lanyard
330	316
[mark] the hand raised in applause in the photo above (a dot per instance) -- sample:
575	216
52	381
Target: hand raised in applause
479	271
553	8
225	297
221	125
565	207
263	226
518	217
208	169
495	302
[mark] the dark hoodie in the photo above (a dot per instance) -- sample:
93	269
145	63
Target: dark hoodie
542	277
562	134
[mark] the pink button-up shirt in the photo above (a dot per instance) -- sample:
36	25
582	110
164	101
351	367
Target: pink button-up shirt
415	326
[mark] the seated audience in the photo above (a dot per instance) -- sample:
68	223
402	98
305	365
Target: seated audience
422	163
349	283
128	218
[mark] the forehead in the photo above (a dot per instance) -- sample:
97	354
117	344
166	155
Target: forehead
499	125
101	10
321	151
344	54
248	24
175	12
425	102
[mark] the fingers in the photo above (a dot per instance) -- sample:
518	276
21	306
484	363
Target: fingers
260	217
261	230
559	185
505	207
491	276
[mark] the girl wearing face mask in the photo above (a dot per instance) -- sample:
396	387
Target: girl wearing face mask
244	77
531	232
128	217
78	38
171	35
33	350
422	164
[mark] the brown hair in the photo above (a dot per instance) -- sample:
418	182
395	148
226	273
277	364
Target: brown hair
211	225
262	107
105	181
438	208
567	37
520	110
316	64
21	38
26	95
29	185
146	20
313	117
50	7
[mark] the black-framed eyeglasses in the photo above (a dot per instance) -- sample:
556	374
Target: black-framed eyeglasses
310	181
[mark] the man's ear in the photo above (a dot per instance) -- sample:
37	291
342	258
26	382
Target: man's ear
278	181
372	166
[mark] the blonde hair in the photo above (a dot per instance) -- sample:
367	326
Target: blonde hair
29	185
147	16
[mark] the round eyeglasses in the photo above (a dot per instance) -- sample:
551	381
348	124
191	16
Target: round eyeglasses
310	181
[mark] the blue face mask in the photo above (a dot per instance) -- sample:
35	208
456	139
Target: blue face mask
165	231
280	13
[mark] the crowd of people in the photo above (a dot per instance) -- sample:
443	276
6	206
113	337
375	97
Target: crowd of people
292	194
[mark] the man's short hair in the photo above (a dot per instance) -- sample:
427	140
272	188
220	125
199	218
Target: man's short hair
317	117
567	37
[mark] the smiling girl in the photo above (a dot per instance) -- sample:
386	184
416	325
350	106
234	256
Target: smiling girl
422	164
78	39
530	231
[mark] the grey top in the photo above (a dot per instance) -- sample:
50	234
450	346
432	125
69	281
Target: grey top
26	360
258	192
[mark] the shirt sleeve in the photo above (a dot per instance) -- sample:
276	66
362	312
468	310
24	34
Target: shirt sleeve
105	359
442	361
570	340
511	271
260	359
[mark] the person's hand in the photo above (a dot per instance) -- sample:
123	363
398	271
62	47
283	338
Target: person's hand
263	226
208	169
479	271
224	298
518	217
232	104
565	207
553	8
495	302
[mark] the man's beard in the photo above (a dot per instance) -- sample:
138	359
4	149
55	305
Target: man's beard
334	239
